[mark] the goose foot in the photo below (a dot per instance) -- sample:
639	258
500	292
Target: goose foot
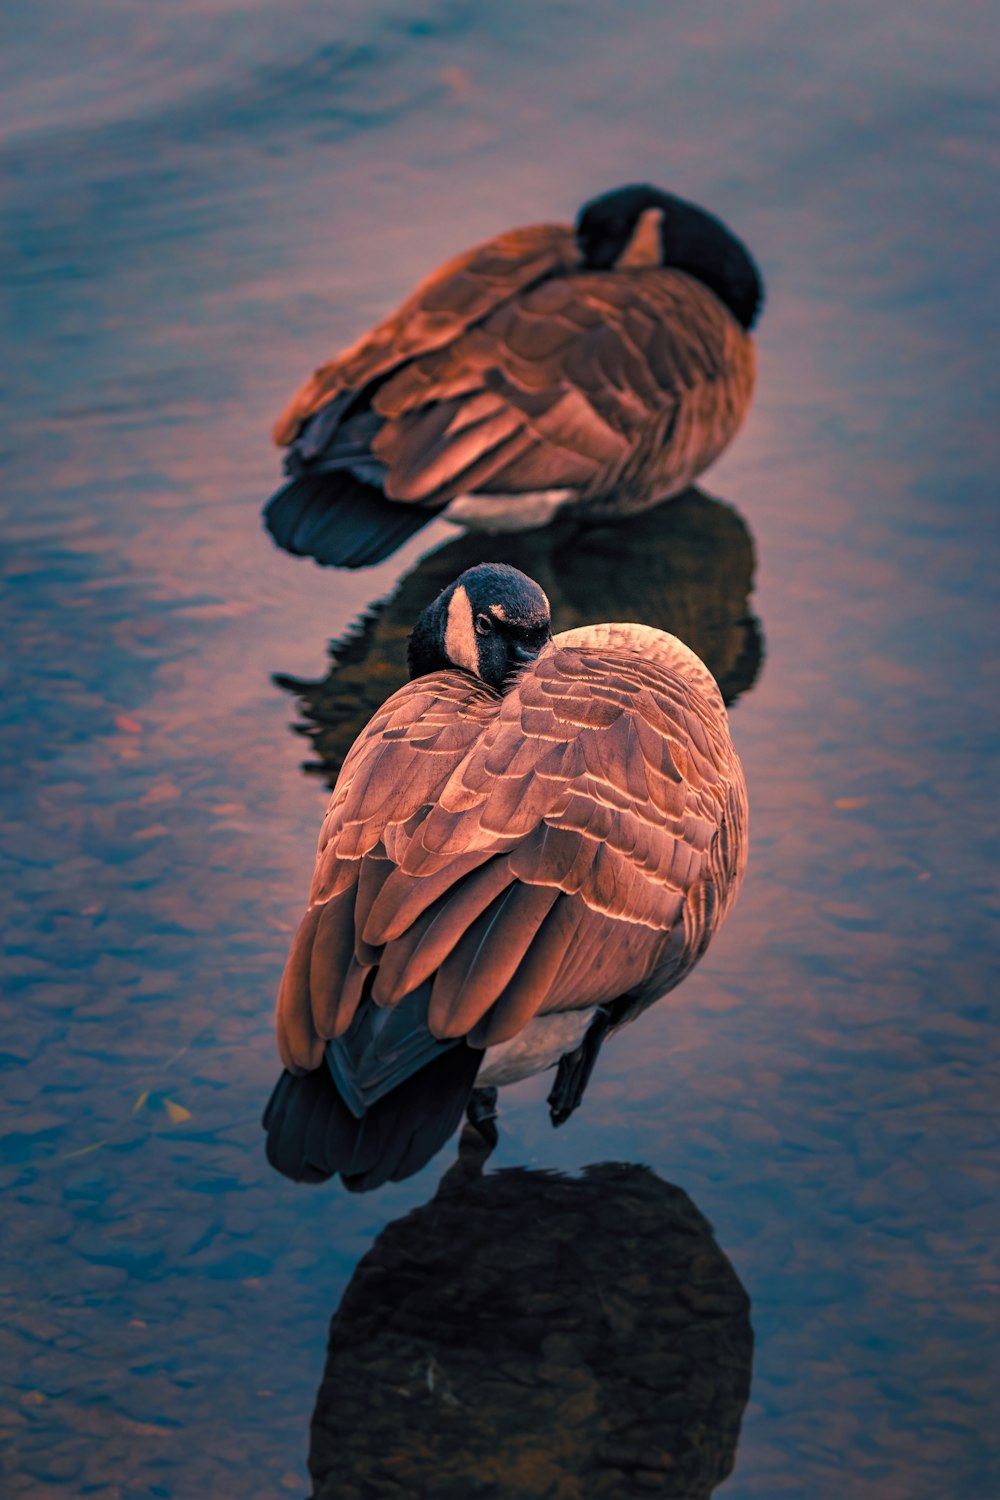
575	1068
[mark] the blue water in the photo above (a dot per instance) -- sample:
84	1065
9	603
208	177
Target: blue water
202	200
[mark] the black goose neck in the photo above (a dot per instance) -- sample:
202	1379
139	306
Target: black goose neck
609	230
425	652
696	242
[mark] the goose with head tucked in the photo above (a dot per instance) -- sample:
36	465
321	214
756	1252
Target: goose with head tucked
590	370
686	568
530	842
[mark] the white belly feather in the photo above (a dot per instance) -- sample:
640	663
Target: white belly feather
539	1045
506	512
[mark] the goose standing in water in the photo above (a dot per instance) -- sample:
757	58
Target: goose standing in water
529	843
592	370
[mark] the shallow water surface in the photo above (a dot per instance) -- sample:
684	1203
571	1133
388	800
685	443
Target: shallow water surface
202	201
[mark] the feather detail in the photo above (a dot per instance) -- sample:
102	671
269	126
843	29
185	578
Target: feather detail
449	920
300	1046
331	957
484	960
340	521
453	297
312	1135
526	992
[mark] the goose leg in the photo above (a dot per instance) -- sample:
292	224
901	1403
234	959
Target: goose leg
575	1068
481	1115
482	1105
481	1109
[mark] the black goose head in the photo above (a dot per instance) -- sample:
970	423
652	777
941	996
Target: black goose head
640	225
490	621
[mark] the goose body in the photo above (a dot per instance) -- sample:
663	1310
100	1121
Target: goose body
506	868
593	370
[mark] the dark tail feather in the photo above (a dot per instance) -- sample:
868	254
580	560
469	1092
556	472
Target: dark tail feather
312	1135
340	521
295	1109
382	1047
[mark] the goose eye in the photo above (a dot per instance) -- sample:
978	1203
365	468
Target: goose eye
483	624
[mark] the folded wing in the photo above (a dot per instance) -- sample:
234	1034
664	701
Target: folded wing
581	382
511	372
456	296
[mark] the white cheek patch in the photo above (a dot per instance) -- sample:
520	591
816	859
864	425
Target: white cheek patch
459	636
645	248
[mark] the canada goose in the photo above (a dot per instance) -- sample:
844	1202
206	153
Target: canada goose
593	370
526	1333
528	844
687	569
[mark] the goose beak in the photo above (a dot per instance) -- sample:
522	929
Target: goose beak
518	657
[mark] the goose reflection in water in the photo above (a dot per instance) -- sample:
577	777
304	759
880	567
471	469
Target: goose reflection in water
526	1334
685	567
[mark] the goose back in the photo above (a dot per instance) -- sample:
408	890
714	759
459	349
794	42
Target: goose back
579	838
459	293
620	387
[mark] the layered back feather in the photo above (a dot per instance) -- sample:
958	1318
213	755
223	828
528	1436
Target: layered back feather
575	840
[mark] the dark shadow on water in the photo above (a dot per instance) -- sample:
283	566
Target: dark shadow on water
526	1334
685	567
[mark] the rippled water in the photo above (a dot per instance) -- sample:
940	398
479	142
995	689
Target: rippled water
202	200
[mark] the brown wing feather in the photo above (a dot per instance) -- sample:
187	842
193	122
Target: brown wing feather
577	839
589	382
452	299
